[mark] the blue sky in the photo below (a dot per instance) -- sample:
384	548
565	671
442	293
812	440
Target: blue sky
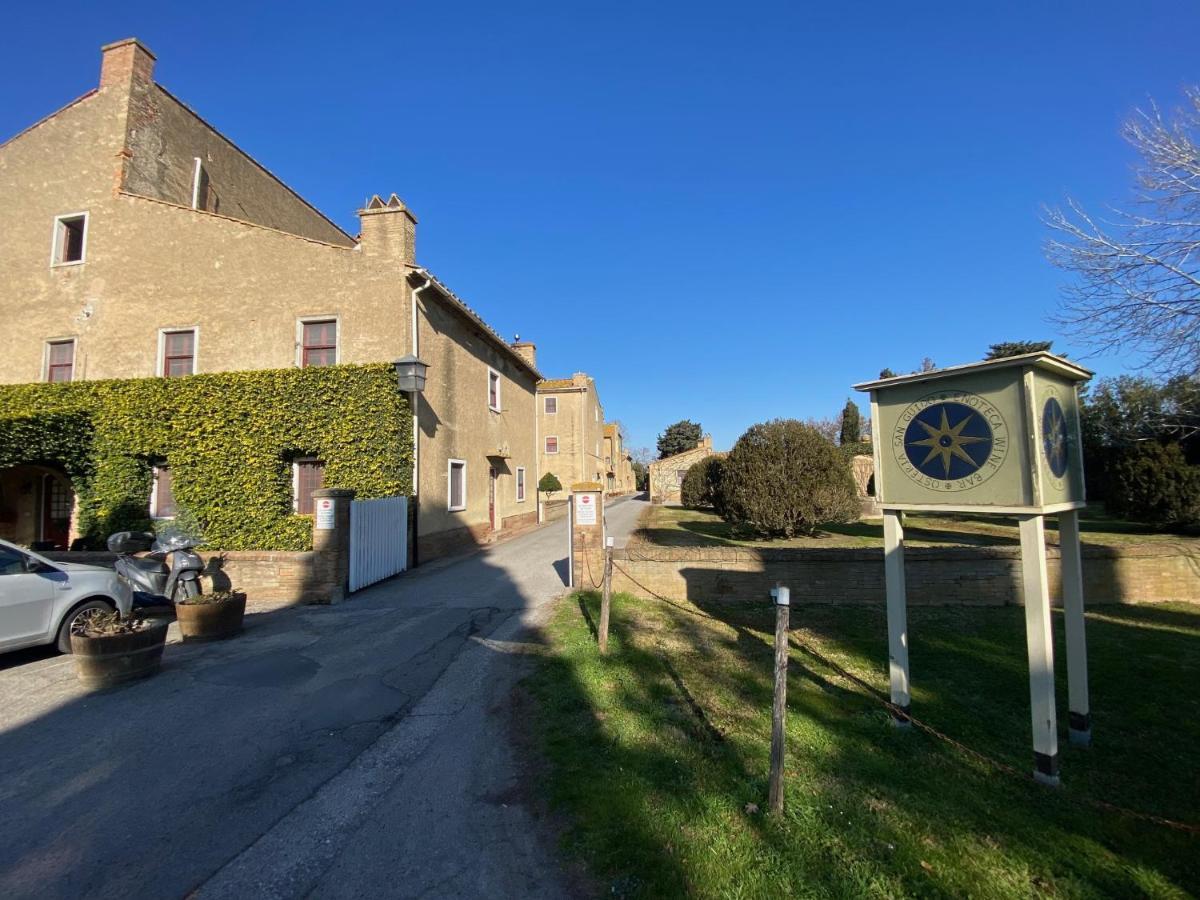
740	209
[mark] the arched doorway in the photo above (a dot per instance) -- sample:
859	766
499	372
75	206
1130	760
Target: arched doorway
37	506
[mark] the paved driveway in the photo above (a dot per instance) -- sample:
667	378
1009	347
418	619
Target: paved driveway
360	750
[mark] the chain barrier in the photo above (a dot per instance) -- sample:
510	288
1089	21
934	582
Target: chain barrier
873	694
587	558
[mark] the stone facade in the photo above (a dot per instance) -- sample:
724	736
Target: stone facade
1143	573
571	430
666	475
618	464
184	231
862	469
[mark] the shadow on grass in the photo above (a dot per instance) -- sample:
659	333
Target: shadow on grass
670	735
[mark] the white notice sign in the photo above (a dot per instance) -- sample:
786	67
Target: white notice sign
585	509
324	507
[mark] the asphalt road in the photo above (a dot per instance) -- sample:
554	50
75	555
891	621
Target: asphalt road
362	750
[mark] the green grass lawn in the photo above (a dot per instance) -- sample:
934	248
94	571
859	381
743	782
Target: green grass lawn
680	527
658	755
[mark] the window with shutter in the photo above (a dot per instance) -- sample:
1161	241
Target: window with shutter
457	494
309	475
179	353
70	239
493	391
319	344
162	497
60	360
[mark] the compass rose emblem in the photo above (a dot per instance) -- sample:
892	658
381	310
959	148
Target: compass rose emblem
948	441
1054	437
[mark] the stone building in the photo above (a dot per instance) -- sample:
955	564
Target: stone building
666	475
618	464
571	430
141	242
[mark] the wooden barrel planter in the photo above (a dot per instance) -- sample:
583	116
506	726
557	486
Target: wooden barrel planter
211	621
104	661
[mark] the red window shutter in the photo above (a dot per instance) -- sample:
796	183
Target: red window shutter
179	353
164	499
320	344
61	363
310	476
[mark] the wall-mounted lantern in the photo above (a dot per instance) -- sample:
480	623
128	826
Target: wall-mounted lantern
410	374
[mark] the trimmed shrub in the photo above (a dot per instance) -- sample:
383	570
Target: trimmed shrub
858	448
783	479
549	483
702	484
1153	483
229	439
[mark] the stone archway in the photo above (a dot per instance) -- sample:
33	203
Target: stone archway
37	506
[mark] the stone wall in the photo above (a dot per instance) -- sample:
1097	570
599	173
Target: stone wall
270	577
666	474
944	576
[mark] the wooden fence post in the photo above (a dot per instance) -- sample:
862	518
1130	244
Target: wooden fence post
606	597
779	709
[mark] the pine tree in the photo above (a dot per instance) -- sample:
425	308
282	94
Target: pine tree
851	430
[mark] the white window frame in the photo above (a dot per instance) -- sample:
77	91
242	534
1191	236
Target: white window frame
154	470
296	479
56	240
337	337
450	464
545	406
520	484
162	348
556	445
46	355
499	404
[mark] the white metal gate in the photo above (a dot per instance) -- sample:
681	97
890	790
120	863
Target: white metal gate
378	540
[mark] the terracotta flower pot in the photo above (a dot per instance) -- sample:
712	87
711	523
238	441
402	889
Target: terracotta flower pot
103	661
211	621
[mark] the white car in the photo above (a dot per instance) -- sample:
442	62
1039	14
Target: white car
39	598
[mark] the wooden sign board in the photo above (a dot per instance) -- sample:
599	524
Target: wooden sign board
1000	436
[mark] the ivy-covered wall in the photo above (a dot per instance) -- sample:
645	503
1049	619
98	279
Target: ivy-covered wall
229	439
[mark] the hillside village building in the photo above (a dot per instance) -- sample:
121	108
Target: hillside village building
666	475
138	242
571	430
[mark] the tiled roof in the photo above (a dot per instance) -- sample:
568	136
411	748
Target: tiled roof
561	384
455	300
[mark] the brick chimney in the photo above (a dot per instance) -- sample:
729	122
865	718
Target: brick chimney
388	231
126	63
527	351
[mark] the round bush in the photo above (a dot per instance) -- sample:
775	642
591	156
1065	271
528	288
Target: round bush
784	478
702	484
1154	484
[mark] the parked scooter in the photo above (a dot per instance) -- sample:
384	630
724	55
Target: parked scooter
153	581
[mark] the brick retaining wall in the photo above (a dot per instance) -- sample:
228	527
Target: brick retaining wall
266	576
983	576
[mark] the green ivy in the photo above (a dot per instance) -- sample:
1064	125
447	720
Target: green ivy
229	438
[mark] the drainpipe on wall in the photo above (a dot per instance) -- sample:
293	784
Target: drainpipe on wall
414	405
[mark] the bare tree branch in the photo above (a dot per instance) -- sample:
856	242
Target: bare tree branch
1138	272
